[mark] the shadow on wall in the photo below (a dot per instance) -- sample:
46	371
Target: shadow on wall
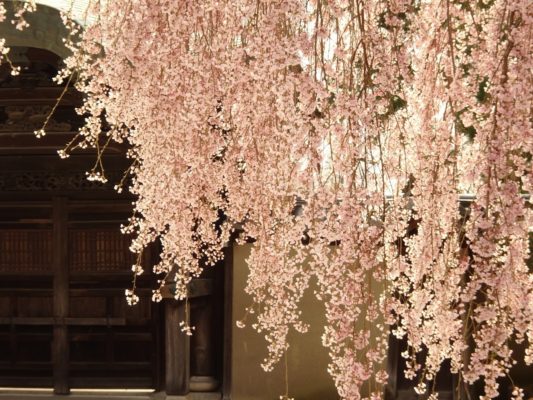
308	359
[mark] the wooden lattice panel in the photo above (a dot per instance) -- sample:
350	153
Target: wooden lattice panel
25	251
99	251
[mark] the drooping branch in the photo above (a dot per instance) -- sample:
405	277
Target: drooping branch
376	115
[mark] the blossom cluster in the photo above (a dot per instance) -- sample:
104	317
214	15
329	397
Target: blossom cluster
338	136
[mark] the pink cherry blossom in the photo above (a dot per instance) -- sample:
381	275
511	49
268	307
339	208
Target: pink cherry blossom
338	136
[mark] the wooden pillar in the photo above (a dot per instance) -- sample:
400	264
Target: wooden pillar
60	348
228	321
202	357
177	349
393	359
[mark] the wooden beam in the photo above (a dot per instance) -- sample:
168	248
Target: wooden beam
80	292
177	349
60	345
39	95
80	321
196	288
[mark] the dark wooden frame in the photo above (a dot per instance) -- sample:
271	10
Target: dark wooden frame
228	322
60	346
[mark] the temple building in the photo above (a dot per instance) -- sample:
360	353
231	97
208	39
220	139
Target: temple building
65	326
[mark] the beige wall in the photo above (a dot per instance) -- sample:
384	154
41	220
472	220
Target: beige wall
308	359
46	30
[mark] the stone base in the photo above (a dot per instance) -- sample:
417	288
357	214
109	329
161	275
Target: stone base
45	395
196	396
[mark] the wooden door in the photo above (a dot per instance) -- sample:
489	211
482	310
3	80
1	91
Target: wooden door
64	321
26	301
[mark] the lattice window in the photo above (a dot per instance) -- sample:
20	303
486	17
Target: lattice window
99	251
25	250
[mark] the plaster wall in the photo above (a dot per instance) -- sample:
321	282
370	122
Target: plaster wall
307	358
46	30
